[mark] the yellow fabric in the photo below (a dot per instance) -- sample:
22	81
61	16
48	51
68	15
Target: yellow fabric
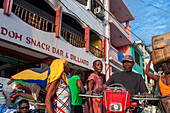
165	89
29	74
57	71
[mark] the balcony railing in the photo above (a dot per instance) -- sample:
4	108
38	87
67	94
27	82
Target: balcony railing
95	51
115	54
33	19
72	38
120	26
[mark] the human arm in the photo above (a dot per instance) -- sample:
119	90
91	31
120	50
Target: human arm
80	85
50	93
143	89
150	75
99	89
90	86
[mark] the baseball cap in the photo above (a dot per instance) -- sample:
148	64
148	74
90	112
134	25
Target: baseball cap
128	58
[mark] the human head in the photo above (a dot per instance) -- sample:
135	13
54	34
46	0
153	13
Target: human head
73	72
67	69
24	106
128	63
97	66
166	67
81	74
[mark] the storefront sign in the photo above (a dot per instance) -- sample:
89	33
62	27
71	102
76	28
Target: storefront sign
25	40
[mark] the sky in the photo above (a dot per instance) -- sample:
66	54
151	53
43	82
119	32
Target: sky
152	17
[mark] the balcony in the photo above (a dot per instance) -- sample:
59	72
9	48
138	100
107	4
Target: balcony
119	36
33	19
115	55
95	51
72	38
119	26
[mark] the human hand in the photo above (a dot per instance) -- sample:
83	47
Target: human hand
147	95
88	92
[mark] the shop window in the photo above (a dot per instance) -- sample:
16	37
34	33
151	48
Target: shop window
137	58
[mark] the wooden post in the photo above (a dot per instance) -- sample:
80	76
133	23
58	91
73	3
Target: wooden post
86	37
105	48
58	21
7	7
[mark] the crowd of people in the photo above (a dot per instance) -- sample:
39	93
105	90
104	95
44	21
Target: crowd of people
63	90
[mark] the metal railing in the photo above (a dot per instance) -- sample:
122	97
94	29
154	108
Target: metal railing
33	19
95	51
72	38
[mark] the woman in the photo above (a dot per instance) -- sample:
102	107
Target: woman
164	81
58	94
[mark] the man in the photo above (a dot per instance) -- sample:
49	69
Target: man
132	81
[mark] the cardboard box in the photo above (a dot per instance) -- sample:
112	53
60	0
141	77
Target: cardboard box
167	53
160	41
158	56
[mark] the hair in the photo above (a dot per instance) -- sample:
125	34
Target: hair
23	101
166	67
77	72
73	72
96	61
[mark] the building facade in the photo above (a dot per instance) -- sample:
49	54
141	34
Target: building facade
33	33
145	59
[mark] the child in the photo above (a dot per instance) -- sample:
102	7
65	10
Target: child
94	81
76	87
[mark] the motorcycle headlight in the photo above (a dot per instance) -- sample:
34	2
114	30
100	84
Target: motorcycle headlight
115	107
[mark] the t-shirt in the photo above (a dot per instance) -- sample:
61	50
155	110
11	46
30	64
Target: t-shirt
132	81
75	90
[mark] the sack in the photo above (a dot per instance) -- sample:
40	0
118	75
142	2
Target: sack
156	91
164	105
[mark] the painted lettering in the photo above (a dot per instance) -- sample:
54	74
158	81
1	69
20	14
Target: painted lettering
66	55
79	60
53	49
48	47
4	31
11	34
43	44
38	44
28	40
16	36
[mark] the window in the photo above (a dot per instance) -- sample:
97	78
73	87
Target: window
137	58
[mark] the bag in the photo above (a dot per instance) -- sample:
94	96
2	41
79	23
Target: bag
156	91
164	105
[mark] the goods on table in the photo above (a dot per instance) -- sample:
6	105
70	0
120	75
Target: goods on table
31	92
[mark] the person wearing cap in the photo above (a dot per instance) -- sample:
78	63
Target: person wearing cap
132	81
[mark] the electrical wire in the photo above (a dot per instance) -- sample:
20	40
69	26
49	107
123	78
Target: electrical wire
99	28
155	6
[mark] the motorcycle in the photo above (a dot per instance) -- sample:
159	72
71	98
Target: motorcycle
117	99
